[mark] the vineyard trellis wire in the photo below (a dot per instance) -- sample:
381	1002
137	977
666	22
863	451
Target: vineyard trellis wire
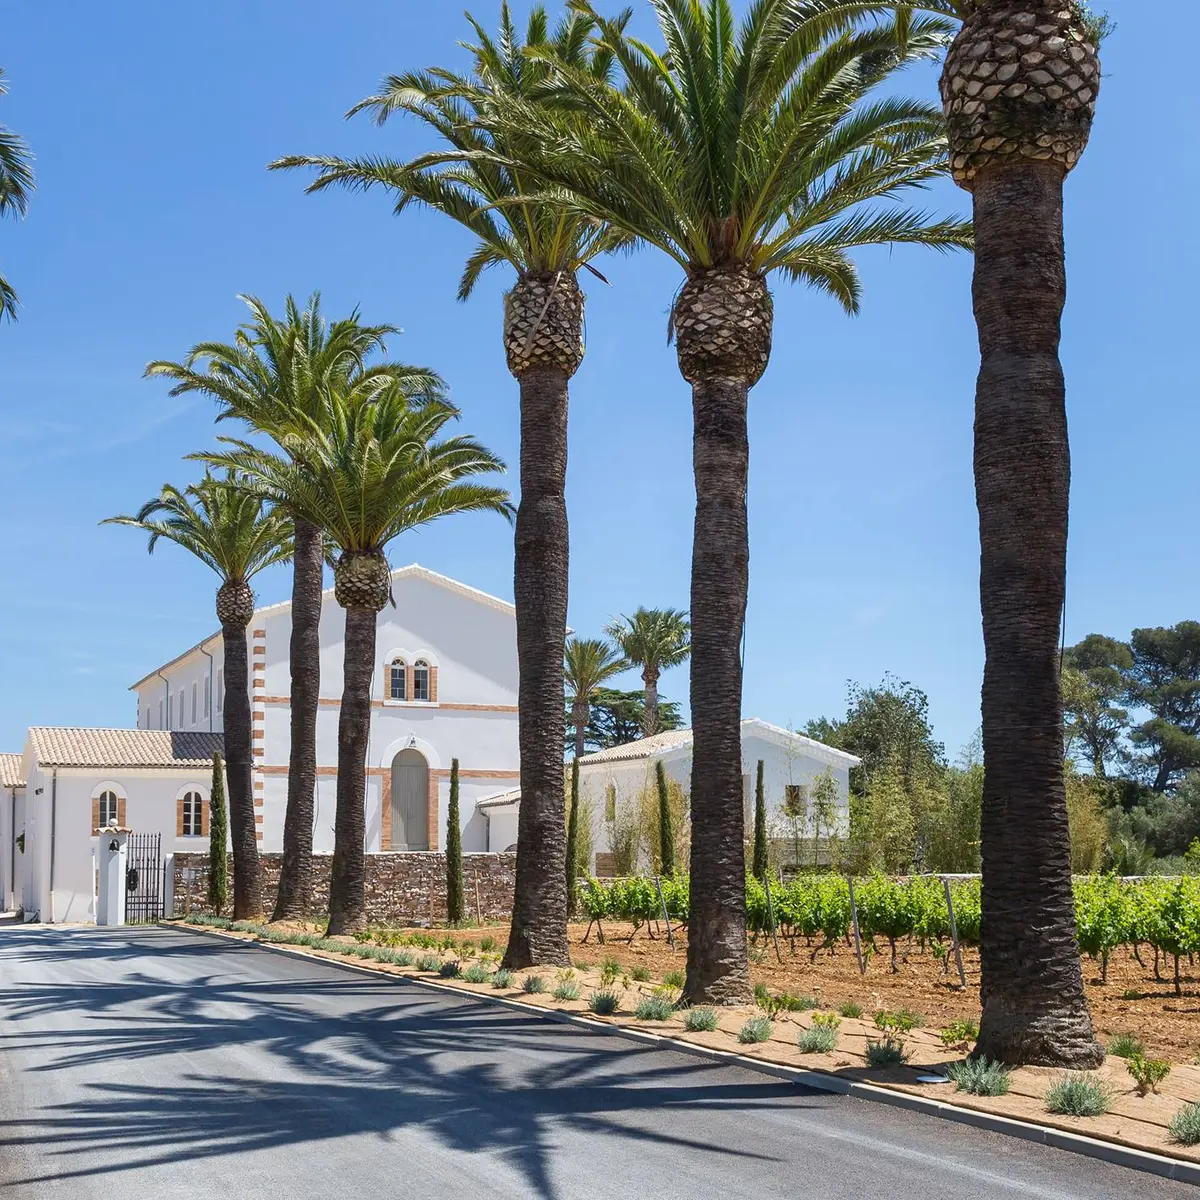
1162	913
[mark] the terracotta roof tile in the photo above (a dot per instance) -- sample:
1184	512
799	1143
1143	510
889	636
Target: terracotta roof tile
64	747
12	769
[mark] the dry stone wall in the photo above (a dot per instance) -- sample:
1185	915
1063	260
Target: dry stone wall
400	887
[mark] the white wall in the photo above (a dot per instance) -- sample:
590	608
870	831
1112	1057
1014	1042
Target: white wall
12	822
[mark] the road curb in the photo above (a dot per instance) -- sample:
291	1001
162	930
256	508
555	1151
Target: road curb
1077	1143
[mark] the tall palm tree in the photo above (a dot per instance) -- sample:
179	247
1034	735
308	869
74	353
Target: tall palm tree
16	183
587	663
543	343
236	535
371	467
654	639
1019	89
739	152
272	374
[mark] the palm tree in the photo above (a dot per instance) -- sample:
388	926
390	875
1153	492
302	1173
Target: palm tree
16	183
740	152
236	535
587	663
654	639
370	468
274	372
543	342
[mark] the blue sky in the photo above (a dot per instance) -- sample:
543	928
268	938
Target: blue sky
152	125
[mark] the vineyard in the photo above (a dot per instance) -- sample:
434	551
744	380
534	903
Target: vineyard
815	911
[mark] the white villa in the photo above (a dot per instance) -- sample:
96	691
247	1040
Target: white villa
445	687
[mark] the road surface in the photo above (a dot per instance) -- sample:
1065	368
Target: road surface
155	1063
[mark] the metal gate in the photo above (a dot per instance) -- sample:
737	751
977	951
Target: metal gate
143	879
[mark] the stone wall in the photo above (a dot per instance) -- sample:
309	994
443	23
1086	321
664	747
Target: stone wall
400	887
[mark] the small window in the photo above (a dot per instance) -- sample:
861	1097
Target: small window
610	802
195	693
207	696
397	683
220	689
420	680
179	711
160	714
193	815
108	809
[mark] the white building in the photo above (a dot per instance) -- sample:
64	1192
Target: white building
618	775
445	686
12	822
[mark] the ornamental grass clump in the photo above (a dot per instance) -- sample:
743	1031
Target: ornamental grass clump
757	1029
534	985
850	1009
888	1053
477	973
639	974
817	1039
451	969
1185	1126
979	1077
1126	1045
655	1008
429	962
1147	1073
403	958
674	979
502	978
604	1002
700	1020
1079	1094
566	989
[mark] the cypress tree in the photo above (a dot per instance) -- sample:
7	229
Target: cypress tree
218	835
456	902
666	835
761	858
572	836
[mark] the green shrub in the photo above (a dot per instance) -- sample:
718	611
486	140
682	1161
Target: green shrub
467	948
826	1020
675	979
487	944
817	1039
654	1008
958	1032
639	974
895	1023
429	962
1126	1045
1185	1125
757	1029
980	1077
849	1008
1079	1094
1147	1073
700	1020
888	1053
604	1002
451	969
533	984
477	973
1131	994
502	978
610	972
403	958
566	989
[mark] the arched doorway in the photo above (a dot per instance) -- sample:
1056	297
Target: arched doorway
410	801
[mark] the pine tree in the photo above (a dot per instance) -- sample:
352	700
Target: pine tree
456	903
218	835
666	835
760	827
573	837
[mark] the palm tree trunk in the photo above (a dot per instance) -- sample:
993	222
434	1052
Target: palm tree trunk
717	971
650	702
538	935
1034	1008
295	876
347	899
239	767
580	711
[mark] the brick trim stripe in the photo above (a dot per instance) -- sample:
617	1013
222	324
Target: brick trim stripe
333	702
438	772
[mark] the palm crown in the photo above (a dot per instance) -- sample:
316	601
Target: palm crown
473	182
16	183
653	638
753	145
367	469
587	663
232	532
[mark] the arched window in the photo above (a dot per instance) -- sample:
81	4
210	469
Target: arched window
108	808
191	815
397	681
420	680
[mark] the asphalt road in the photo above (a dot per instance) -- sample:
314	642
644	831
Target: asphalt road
153	1063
